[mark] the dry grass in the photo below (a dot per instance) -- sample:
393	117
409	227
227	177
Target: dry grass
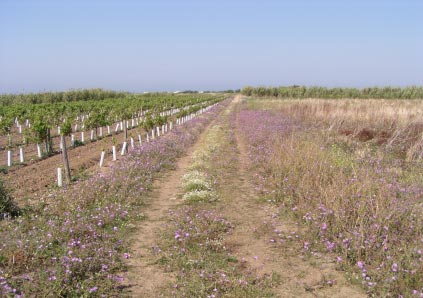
397	125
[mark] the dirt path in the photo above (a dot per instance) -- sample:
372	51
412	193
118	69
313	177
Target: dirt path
145	278
251	240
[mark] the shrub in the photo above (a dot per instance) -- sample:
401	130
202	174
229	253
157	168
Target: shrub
7	205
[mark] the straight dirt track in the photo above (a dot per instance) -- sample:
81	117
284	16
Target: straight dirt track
238	203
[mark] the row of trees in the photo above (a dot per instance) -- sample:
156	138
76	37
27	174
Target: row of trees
56	97
90	114
412	92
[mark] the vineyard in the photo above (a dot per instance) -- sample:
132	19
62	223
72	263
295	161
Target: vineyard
93	131
212	195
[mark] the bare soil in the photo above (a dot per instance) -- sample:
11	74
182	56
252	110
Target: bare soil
31	181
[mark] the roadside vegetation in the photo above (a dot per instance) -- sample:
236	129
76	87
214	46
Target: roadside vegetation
358	198
296	91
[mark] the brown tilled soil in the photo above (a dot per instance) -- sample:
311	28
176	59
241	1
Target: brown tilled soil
30	150
30	182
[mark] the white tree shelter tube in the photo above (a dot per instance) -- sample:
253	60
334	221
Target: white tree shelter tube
103	154
9	158
114	152
123	148
59	177
21	155
39	151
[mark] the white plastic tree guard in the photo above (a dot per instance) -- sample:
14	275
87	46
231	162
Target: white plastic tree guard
9	158
39	151
21	155
103	154
59	177
114	152
123	148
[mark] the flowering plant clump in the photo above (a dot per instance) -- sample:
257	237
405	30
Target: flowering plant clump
74	244
359	204
200	196
197	183
196	180
198	188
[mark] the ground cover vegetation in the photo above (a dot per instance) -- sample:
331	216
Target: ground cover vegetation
357	194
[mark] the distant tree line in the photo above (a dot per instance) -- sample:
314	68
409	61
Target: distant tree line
56	97
295	91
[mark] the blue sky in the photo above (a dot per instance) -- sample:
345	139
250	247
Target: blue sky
208	45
